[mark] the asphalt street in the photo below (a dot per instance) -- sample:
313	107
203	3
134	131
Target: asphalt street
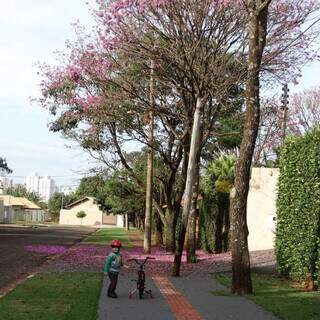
16	261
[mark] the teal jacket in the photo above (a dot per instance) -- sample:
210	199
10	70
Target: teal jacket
114	262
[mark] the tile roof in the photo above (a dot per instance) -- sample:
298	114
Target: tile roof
18	202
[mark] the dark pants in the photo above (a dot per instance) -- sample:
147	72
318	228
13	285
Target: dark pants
113	282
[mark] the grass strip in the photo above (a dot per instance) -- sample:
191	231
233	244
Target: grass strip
281	297
105	236
54	296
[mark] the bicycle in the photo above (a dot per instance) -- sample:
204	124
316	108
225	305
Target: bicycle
141	281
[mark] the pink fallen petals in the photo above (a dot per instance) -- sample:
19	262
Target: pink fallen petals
47	249
91	258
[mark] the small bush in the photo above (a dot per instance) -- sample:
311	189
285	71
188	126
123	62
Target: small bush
81	214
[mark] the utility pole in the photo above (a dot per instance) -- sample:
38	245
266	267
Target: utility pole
62	195
148	212
285	103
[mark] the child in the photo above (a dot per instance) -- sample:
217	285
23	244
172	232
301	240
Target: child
113	264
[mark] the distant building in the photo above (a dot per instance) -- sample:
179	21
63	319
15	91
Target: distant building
94	215
67	189
45	187
17	209
5	183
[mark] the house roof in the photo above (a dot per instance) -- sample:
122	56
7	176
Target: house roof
78	202
9	200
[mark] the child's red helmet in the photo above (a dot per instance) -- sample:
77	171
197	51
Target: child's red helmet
116	243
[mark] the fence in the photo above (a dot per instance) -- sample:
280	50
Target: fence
12	215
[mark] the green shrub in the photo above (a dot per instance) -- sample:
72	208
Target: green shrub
81	214
298	208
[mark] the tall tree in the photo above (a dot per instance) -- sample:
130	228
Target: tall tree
93	186
148	214
257	32
200	49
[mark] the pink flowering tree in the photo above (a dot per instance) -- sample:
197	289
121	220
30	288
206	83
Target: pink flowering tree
201	51
302	116
175	104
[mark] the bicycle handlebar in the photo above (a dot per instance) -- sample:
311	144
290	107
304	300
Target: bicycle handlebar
141	263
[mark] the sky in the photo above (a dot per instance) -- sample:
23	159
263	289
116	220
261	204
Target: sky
30	32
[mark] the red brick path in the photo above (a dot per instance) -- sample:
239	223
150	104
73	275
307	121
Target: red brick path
179	305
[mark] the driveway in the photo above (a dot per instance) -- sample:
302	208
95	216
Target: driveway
15	258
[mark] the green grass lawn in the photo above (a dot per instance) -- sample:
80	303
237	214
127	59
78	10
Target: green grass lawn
281	297
105	236
72	296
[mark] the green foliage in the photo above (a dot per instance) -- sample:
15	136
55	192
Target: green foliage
194	258
214	213
298	208
122	196
81	214
4	166
229	125
59	200
220	173
94	186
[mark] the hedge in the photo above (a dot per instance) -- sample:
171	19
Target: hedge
297	241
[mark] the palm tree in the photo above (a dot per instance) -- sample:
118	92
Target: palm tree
221	172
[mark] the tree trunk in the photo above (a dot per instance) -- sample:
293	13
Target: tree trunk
158	230
170	236
199	235
148	214
190	184
222	223
225	235
127	222
191	234
257	26
219	226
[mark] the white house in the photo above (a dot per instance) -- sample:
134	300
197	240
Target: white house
261	208
94	215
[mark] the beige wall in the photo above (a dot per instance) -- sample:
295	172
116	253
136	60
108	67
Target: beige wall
261	209
93	218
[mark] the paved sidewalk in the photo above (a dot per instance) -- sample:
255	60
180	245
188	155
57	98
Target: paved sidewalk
198	290
124	308
185	298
